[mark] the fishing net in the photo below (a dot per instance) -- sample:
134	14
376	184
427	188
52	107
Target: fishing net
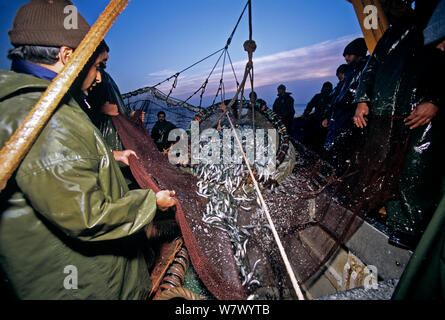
315	206
214	263
151	100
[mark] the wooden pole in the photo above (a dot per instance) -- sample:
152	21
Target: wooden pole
23	138
371	35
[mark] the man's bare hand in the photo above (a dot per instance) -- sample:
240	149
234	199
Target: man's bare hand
361	112
421	115
223	107
124	156
110	109
325	123
165	199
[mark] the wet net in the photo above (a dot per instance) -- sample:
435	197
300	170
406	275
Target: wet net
315	206
151	100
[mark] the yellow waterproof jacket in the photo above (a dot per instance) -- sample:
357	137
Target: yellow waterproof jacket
69	226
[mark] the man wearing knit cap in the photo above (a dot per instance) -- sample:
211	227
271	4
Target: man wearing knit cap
69	226
340	127
284	106
355	51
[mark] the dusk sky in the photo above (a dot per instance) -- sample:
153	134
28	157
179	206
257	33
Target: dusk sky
300	43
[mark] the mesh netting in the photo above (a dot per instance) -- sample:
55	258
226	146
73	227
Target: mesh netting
214	263
151	101
315	206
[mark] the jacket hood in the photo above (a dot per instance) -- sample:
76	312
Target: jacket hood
12	82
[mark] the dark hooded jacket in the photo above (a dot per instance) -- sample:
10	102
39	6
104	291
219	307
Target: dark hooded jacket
424	277
398	77
320	103
342	106
160	133
391	76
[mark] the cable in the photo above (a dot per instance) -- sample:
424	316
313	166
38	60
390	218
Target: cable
269	219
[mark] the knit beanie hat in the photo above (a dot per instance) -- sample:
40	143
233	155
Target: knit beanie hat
42	23
357	47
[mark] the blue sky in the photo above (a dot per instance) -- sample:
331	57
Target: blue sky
300	43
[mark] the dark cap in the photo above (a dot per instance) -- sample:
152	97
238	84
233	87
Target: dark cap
281	86
342	69
357	47
42	23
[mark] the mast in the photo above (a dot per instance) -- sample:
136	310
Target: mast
372	34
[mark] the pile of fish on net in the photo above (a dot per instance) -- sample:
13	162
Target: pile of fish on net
314	209
228	188
234	206
223	224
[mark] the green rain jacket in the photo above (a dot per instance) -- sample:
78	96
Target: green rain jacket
69	226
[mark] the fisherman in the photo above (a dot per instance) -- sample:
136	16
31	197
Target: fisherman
284	106
342	70
343	108
86	95
397	84
319	102
69	226
253	98
105	96
424	274
160	132
308	128
102	100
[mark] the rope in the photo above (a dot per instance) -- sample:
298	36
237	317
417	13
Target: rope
221	82
269	219
252	103
229	41
202	88
175	83
147	103
156	284
233	70
250	47
178	293
161	96
182	71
